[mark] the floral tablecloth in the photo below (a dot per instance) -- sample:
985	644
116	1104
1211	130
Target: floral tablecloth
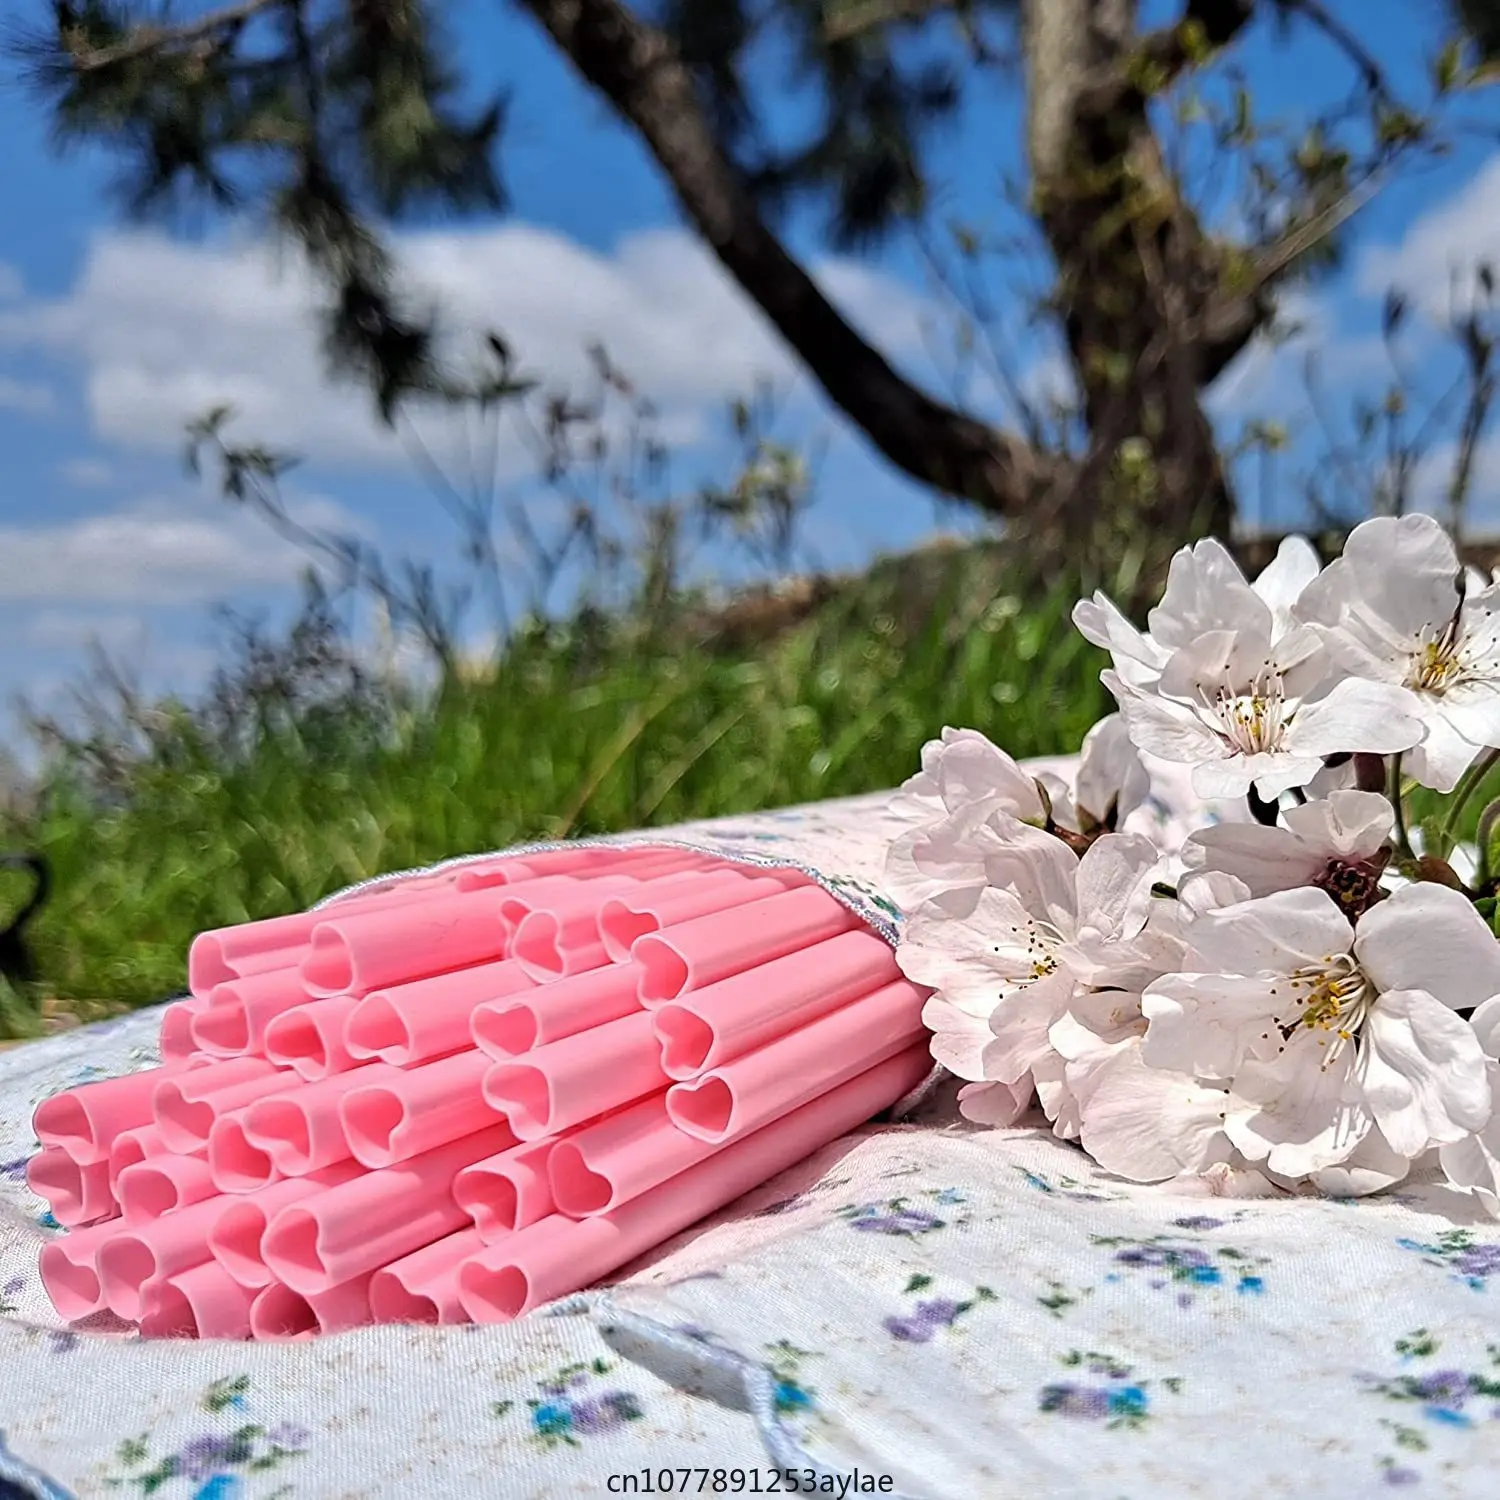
923	1309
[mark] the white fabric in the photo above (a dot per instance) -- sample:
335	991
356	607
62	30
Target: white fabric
926	1310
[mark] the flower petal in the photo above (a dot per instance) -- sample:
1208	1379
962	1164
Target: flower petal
1141	1122
1206	591
1370	1168
958	1037
1422	1072
1275	934
1283	579
1427	937
998	1104
1296	1114
1444	754
1208	1024
1356	715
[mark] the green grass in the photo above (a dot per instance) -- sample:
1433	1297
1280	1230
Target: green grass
559	741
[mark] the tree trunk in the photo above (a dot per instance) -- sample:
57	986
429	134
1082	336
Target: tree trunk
1136	281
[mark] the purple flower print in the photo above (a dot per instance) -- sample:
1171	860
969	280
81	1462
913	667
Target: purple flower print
904	1221
1442	1387
606	1412
1478	1260
1085	1401
289	1437
203	1456
909	1330
1197	1221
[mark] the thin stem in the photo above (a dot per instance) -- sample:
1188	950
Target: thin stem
1403	843
1463	794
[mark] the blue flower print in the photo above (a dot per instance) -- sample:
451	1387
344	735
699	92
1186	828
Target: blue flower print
1112	1397
1187	1268
1455	1251
570	1406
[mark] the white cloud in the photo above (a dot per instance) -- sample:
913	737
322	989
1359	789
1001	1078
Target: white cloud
86	473
11	285
29	396
164	330
157	552
1447	241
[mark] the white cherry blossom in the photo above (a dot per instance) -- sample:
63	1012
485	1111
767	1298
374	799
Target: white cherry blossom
1323	1031
1111	782
1473	1164
1002	973
1392	612
1245	711
964	770
1336	843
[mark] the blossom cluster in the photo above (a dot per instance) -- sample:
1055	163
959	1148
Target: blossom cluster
1308	987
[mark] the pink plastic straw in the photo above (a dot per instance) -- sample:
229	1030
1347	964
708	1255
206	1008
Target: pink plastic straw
238	1012
155	1248
176	1041
423	1287
203	1302
420	1108
277	942
543	865
567	1082
369	1221
310	1039
507	1028
752	1090
161	1184
666	861
548	947
701	952
712	1025
131	1146
508	1191
75	1194
565	896
187	1090
234	1240
609	1162
280	1313
234	1164
675	899
413	1023
68	1269
557	1255
302	1130
84	1121
482	875
368	950
185	1114
217	957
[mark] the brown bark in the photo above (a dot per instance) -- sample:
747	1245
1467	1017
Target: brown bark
637	68
1137	276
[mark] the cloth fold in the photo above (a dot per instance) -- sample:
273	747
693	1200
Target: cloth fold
923	1310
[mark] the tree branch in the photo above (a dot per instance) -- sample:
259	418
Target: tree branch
1162	56
844	23
639	71
1347	42
144	40
1234	315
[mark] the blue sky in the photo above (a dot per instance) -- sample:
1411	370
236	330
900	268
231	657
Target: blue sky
112	337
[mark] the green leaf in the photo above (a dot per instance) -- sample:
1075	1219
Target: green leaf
1447	69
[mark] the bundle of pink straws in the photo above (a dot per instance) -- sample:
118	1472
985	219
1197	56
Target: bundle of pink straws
469	1093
